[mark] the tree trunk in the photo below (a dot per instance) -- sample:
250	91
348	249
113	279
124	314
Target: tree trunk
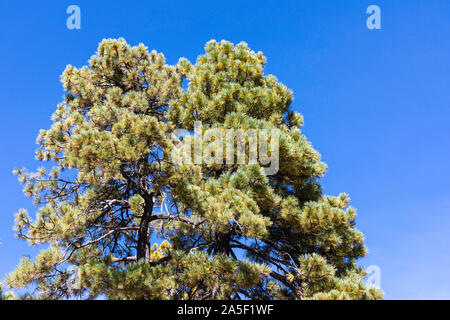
143	241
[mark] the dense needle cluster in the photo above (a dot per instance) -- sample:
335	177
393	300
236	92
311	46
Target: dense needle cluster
112	193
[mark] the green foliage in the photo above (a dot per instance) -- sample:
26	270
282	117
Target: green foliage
113	184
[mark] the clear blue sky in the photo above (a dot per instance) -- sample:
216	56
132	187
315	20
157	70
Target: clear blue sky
376	104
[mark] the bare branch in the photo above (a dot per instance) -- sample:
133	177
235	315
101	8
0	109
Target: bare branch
175	218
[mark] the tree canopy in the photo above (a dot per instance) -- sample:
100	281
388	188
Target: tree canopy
117	217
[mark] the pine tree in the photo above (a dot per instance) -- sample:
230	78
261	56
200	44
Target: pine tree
121	220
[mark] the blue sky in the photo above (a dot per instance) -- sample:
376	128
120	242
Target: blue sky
376	104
